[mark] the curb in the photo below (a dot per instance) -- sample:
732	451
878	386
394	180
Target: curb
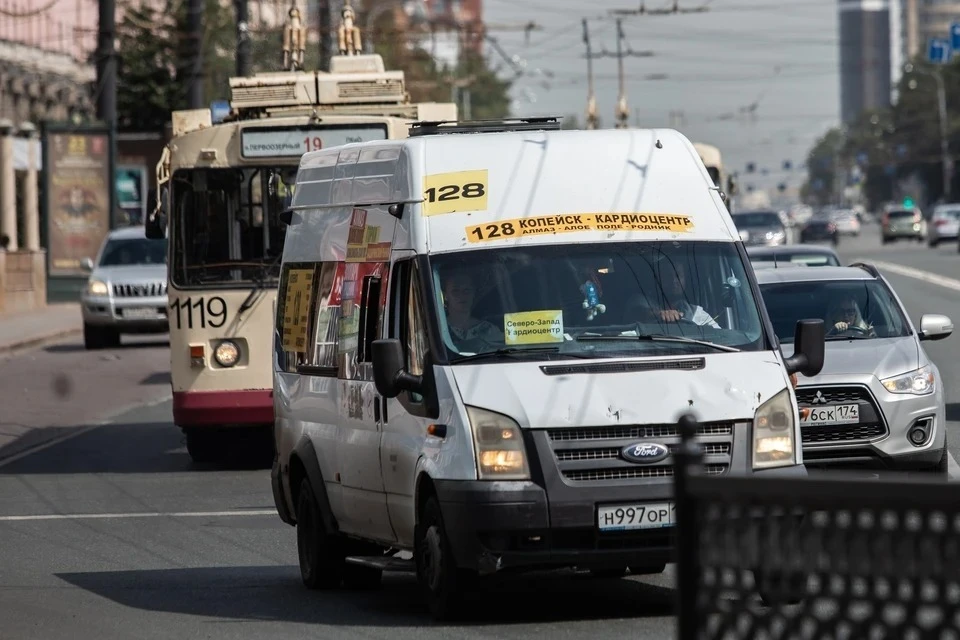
15	348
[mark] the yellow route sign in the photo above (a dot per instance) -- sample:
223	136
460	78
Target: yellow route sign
296	310
454	192
571	223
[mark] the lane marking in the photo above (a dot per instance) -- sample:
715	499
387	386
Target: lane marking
109	419
155	514
917	274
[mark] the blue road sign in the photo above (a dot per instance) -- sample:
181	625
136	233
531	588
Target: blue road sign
939	50
955	37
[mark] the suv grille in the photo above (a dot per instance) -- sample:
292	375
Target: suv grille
150	290
870	427
592	454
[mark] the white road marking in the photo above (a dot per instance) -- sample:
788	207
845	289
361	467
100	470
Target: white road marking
156	514
113	415
917	274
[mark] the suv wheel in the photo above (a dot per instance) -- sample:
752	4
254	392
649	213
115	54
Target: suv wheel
321	555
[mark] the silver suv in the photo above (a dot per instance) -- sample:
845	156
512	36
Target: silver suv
127	288
879	400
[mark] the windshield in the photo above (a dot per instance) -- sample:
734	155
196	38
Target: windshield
898	215
596	300
850	309
808	259
761	219
225	224
132	251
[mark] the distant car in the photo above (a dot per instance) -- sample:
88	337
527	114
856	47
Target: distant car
901	223
819	228
793	255
847	223
127	288
944	224
879	400
760	228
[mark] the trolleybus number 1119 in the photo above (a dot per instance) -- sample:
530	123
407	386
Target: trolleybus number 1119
202	312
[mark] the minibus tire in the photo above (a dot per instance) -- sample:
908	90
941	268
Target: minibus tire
437	572
321	555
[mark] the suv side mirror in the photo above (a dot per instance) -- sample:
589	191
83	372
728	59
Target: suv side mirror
808	347
87	265
388	369
934	326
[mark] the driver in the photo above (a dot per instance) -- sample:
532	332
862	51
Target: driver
467	332
845	316
676	306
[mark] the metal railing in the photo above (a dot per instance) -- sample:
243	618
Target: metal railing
815	557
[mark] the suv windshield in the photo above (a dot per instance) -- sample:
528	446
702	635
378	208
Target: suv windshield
225	226
850	309
596	300
899	215
130	251
809	259
757	219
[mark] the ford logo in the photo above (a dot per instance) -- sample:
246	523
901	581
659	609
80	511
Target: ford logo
644	453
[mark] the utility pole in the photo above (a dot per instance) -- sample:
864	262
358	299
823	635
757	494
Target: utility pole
592	119
326	34
107	93
243	38
192	54
622	112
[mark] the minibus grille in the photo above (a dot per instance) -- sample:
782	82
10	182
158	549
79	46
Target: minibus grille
147	290
592	454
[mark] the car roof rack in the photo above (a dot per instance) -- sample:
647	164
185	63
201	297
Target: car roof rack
428	128
869	268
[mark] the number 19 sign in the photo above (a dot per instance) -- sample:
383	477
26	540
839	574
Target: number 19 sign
265	142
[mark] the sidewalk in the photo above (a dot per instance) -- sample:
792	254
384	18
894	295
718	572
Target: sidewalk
23	330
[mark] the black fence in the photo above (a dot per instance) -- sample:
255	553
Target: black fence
816	557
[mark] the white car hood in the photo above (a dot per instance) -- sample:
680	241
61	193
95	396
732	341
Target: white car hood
730	387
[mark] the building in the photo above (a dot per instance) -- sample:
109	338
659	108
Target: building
865	56
926	19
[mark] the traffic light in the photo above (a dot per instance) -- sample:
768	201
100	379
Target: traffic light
908	203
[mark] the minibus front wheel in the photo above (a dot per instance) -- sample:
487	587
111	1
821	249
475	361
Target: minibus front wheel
322	556
443	583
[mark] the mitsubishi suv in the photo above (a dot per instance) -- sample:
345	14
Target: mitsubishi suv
127	288
879	399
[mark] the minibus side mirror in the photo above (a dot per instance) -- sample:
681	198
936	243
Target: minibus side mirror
388	369
808	348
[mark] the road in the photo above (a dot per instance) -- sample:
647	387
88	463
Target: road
168	548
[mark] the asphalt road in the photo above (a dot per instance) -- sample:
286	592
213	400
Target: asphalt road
167	548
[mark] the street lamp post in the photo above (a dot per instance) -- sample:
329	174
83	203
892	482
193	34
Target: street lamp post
945	159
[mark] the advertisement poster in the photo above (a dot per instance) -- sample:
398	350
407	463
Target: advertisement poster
131	195
79	197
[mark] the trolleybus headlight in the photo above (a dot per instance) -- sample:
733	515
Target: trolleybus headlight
774	437
226	354
499	446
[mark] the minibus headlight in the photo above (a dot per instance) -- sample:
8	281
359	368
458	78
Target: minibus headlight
226	354
499	445
774	433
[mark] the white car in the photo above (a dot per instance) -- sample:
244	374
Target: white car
944	224
847	223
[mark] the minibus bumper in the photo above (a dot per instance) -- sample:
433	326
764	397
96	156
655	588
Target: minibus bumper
513	526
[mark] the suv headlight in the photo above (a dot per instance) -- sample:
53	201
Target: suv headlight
499	446
774	433
921	382
97	287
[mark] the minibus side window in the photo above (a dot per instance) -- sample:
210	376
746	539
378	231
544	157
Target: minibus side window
416	333
306	320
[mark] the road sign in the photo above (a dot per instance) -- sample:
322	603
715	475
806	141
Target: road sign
955	38
939	50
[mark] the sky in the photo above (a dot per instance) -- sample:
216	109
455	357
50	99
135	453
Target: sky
779	59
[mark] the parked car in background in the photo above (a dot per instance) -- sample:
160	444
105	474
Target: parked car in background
820	228
900	222
879	400
127	290
944	224
793	255
760	228
847	223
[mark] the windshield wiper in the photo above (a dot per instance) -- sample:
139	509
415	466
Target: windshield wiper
850	337
661	337
259	282
508	351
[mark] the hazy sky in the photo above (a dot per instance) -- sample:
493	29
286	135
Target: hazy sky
780	56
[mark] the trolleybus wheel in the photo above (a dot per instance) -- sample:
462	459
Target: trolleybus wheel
321	554
201	445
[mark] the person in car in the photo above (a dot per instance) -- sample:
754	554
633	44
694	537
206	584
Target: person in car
677	305
845	316
469	334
